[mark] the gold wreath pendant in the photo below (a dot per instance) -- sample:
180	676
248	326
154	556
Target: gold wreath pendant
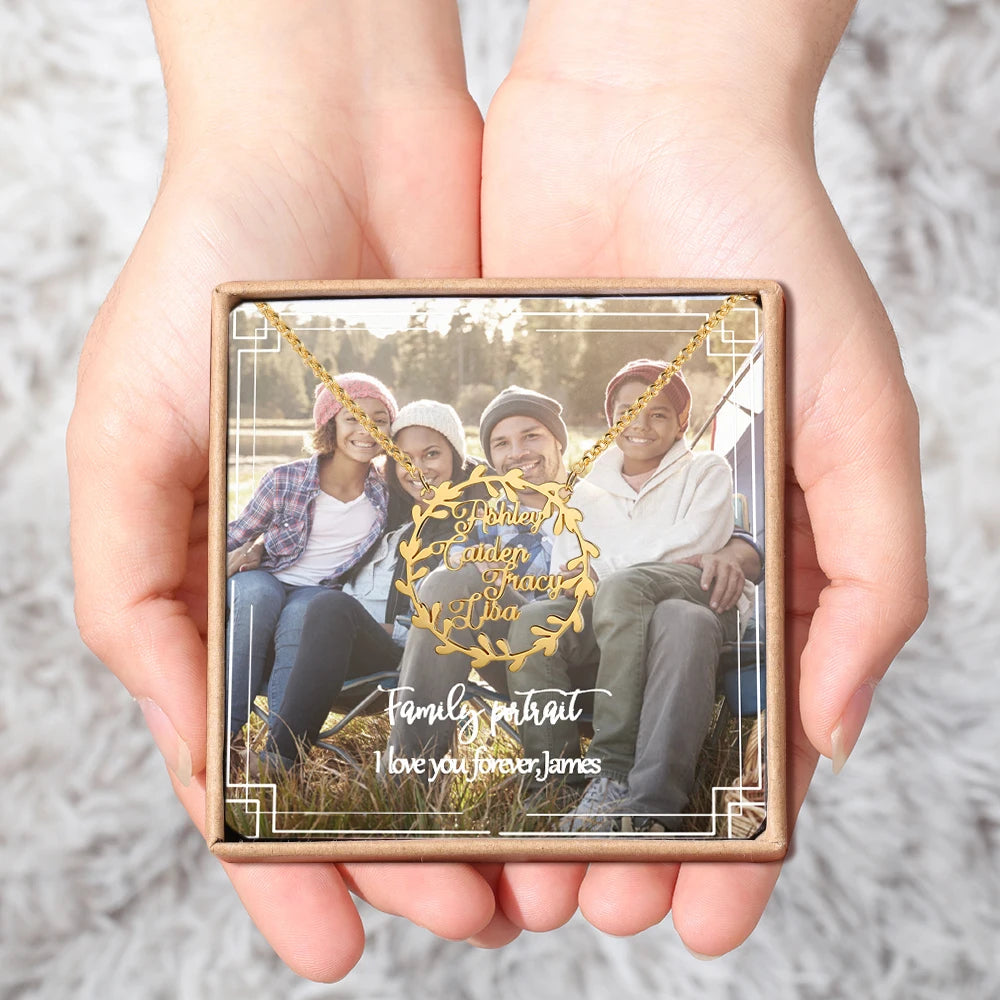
500	591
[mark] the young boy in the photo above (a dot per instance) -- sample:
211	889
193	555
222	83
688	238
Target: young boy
657	503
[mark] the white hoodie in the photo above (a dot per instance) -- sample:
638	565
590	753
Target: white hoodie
684	509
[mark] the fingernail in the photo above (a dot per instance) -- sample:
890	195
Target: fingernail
702	958
175	751
848	729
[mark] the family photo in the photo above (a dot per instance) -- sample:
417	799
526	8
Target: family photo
494	585
275	778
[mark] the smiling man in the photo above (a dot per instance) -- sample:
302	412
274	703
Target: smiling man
522	429
519	429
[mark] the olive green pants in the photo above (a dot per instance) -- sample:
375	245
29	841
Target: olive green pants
610	655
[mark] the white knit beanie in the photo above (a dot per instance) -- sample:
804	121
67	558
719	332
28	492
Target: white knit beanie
438	417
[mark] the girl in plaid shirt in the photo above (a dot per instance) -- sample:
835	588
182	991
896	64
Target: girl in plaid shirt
360	629
307	524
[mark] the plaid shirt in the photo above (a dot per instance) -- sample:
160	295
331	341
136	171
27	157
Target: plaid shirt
538	545
282	510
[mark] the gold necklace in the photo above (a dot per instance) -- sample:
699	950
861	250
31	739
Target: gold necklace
452	500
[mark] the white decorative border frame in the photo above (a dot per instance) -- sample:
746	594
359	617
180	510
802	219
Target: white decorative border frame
265	339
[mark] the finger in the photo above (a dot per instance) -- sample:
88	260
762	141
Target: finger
866	513
717	905
709	572
500	930
305	911
137	471
624	899
738	583
451	900
719	599
855	451
718	586
540	896
731	586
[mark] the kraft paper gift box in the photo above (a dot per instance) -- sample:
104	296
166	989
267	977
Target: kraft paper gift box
462	342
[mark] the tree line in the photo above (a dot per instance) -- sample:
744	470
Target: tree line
467	363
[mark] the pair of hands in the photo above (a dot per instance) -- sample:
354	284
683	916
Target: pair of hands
595	160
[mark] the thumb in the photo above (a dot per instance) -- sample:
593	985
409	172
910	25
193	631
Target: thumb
137	475
861	485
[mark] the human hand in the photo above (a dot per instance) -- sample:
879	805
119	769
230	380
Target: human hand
568	586
721	571
247	556
313	169
624	142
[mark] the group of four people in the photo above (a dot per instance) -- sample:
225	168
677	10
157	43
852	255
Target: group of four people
314	557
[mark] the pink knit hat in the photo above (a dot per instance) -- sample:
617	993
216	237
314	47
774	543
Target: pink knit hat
646	370
358	386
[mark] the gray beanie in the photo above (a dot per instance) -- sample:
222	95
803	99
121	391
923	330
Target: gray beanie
517	402
438	417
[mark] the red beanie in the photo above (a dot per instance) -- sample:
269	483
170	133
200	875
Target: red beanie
646	370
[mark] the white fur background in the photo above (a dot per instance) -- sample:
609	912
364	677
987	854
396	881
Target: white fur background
893	888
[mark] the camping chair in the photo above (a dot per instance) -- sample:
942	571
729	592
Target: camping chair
359	696
371	689
737	693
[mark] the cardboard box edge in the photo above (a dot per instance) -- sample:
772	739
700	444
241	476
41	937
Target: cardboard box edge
771	845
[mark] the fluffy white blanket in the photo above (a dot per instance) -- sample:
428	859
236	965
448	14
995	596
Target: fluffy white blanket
893	887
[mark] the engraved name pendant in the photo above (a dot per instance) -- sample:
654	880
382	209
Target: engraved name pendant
498	524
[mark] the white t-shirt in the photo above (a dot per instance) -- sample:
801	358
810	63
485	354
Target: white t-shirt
639	479
337	529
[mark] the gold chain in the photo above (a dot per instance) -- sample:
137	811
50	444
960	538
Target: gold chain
388	445
579	469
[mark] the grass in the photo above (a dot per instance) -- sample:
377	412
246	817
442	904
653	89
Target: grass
738	805
326	796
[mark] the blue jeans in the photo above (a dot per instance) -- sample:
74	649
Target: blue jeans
263	635
340	641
